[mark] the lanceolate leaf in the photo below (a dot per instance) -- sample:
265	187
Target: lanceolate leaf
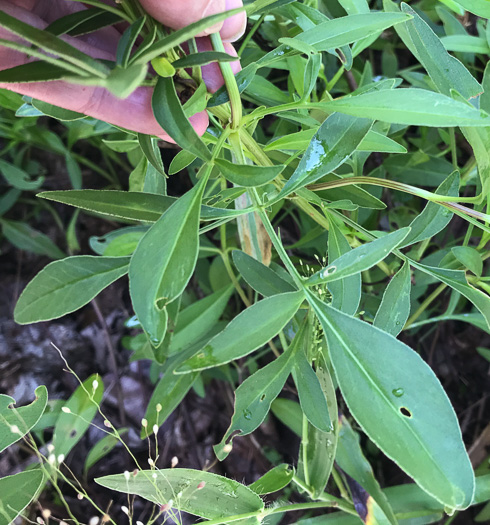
400	404
82	405
203	493
250	330
346	30
311	396
164	262
409	106
170	115
259	276
247	175
336	139
433	217
66	285
24	418
346	292
360	259
394	309
351	460
253	399
456	279
478	7
276	479
17	492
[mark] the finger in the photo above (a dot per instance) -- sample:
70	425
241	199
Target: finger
180	13
211	73
133	113
234	27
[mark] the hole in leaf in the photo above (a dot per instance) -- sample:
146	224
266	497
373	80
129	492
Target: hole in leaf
262	397
405	412
161	303
73	433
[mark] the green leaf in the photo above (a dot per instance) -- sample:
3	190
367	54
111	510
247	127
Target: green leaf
102	448
351	460
249	330
66	285
24	418
149	146
170	115
26	238
445	71
77	415
243	79
248	175
127	41
348	29
336	139
466	44
52	44
456	279
409	107
17	492
360	259
203	494
260	277
121	82
394	309
374	141
346	292
136	206
164	262
202	58
477	7
289	413
38	71
275	479
400	404
18	178
55	111
433	218
196	320
82	22
310	393
470	258
254	396
318	449
169	393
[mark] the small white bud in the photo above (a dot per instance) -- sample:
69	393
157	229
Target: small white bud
63	523
151	462
174	461
94	520
40	520
125	510
51	459
15	429
154	475
61	458
227	448
179	495
46	513
95	384
50	448
155	429
80	496
170	502
66	410
159	407
107	423
144	423
126	475
139	523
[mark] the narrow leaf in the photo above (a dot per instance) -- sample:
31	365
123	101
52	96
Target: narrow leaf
171	117
248	175
394	309
276	479
66	285
164	262
359	259
250	330
203	494
17	492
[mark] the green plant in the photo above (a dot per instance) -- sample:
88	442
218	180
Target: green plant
328	322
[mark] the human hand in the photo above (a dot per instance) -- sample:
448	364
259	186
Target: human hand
134	112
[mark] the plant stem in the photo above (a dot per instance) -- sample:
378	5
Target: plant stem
250	34
230	82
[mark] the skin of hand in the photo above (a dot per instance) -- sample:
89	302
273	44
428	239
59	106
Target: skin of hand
134	112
